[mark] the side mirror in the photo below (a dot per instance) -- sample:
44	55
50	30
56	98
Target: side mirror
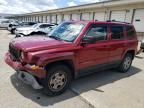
88	40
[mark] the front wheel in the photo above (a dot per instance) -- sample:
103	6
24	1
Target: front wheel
12	31
126	63
57	81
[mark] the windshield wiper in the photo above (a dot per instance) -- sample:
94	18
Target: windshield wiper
55	37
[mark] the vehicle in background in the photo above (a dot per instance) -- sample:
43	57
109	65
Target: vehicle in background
73	49
40	28
12	26
3	19
4	23
141	47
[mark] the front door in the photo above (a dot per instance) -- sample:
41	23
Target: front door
95	53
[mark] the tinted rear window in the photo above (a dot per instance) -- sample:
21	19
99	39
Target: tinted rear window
130	32
117	32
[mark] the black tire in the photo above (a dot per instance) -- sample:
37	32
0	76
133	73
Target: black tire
123	68
61	69
12	31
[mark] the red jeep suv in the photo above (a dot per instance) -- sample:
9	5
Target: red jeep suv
73	49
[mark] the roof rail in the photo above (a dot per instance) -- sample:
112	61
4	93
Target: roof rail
117	21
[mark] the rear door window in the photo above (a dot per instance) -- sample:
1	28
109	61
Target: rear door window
117	32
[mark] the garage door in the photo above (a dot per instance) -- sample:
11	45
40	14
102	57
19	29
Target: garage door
29	18
44	18
75	16
66	17
33	18
53	20
139	20
118	15
40	18
37	18
85	16
100	16
48	19
59	19
26	19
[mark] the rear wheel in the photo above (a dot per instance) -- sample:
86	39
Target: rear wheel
57	81
126	63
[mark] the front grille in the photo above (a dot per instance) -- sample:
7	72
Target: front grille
15	53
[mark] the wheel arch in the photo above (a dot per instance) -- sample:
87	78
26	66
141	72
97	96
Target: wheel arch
68	63
132	52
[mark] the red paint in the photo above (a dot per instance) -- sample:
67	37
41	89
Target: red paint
43	50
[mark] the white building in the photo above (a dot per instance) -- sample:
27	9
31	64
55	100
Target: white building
131	11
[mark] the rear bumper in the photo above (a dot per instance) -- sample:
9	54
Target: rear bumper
36	71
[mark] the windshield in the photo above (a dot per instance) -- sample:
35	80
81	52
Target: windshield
67	31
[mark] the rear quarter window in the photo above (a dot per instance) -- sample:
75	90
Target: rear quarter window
130	31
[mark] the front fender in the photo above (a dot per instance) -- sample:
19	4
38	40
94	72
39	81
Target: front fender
54	57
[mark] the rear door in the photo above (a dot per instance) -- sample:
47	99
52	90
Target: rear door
118	43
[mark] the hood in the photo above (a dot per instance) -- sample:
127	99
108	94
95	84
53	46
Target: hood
25	28
37	43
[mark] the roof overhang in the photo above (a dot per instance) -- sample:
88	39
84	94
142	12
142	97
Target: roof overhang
105	4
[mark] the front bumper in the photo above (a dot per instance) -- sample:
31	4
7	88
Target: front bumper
28	79
34	70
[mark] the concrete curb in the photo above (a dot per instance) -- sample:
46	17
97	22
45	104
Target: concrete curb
81	97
